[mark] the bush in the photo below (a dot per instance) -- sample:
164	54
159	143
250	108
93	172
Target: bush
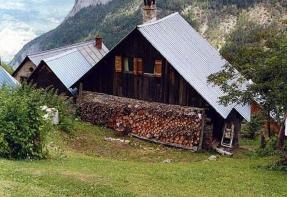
23	130
252	128
270	148
50	98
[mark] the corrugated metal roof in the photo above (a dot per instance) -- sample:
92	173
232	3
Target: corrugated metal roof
69	67
7	79
87	49
192	56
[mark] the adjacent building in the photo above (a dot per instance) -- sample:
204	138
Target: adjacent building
60	68
60	72
89	50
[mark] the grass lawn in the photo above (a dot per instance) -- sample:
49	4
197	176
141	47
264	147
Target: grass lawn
84	164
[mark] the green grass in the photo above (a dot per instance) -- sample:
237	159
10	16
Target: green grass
86	165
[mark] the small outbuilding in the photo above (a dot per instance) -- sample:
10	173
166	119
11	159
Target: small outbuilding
93	51
60	72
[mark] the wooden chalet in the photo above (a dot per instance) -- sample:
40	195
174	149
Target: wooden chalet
166	61
88	50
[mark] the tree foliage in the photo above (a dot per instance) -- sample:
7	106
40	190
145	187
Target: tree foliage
259	53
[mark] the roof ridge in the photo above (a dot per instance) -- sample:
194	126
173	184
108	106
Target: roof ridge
60	55
63	47
158	21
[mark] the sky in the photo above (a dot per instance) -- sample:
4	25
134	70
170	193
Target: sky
23	20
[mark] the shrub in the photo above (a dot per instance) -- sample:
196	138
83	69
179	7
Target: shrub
252	128
50	98
23	130
269	149
22	127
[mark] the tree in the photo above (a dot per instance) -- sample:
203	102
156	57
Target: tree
260	54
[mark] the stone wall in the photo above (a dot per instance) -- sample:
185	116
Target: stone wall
167	124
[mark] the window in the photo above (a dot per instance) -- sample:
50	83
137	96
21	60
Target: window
138	66
118	64
31	69
154	68
149	68
128	64
158	68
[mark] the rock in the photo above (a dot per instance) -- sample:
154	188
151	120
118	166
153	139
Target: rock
127	141
212	158
167	161
80	4
51	114
110	139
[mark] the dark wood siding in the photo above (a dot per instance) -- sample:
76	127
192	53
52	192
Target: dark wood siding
169	88
43	77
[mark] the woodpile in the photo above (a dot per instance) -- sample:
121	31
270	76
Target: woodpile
167	124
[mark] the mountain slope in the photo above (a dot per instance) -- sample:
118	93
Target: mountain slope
114	19
80	4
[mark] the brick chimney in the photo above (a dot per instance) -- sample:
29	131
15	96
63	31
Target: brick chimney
99	42
149	11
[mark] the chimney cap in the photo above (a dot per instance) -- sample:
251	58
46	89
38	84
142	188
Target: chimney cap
149	2
98	42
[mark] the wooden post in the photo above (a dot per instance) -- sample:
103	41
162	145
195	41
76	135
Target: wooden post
281	135
81	89
202	132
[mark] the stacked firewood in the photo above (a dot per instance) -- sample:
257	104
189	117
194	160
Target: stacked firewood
168	124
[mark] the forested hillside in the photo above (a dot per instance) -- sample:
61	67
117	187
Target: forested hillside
215	19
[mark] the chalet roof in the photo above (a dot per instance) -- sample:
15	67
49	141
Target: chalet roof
7	79
68	67
192	56
87	49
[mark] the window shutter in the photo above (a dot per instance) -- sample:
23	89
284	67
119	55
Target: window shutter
140	66
118	64
135	66
158	68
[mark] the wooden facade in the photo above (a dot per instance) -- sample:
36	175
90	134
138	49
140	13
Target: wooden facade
152	83
43	77
135	69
